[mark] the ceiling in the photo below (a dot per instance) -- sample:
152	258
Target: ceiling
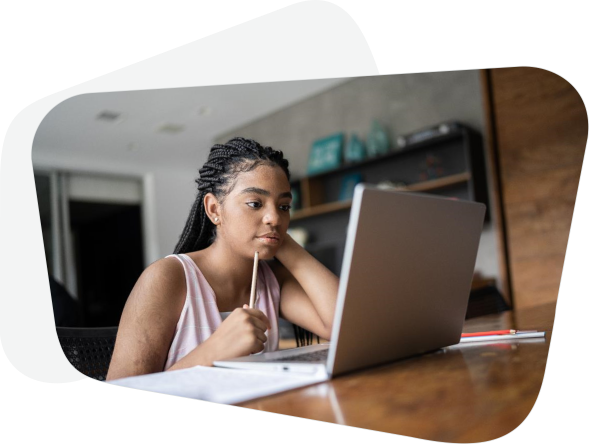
159	128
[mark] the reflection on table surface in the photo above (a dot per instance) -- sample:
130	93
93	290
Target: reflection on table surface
464	393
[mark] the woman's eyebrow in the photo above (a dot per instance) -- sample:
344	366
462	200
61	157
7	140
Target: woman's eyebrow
263	192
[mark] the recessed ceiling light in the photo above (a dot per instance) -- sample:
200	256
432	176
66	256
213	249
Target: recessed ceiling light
109	116
170	128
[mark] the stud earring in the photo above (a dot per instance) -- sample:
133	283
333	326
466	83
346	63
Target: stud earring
216	219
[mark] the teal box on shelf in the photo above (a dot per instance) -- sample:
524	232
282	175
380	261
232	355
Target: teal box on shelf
377	142
326	154
354	151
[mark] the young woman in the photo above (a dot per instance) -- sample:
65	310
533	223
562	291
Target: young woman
191	308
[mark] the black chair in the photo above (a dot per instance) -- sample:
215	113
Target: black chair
89	350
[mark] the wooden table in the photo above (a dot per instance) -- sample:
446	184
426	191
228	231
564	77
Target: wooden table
464	393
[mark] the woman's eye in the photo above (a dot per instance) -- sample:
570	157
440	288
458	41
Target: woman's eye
257	205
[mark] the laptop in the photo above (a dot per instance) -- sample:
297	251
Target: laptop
405	282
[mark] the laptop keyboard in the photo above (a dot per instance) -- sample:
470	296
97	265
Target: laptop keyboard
315	356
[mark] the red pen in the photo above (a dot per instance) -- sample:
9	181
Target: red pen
496	332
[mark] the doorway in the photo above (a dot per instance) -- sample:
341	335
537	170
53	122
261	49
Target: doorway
108	255
92	229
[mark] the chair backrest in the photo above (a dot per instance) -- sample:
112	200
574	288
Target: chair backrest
89	350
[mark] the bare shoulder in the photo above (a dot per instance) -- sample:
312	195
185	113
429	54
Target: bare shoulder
162	283
163	278
159	293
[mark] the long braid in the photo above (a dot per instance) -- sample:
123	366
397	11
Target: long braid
217	175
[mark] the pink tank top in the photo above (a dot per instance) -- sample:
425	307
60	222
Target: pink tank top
200	316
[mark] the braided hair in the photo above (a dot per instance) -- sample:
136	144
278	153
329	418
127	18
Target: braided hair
217	176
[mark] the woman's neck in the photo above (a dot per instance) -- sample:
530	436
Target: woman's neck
228	274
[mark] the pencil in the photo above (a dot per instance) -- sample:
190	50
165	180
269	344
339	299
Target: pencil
254	278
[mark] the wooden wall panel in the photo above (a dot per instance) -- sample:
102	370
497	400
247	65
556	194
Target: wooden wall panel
540	137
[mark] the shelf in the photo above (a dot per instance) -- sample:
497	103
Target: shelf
396	153
330	207
429	185
435	184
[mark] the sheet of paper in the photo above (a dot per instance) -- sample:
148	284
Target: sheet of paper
221	385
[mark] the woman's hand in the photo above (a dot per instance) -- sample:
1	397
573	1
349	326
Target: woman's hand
241	334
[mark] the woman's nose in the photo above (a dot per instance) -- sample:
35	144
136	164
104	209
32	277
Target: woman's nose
272	217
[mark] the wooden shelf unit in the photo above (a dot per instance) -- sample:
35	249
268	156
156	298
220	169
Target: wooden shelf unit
429	185
462	175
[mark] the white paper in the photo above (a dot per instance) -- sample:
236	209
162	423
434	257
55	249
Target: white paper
221	385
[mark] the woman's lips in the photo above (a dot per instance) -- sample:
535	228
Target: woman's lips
269	240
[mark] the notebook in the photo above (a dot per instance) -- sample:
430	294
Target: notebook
404	286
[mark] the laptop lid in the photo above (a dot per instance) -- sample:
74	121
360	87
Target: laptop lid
405	281
406	275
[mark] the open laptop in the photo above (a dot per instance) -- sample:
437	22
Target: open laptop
404	286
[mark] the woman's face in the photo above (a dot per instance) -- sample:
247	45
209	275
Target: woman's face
255	215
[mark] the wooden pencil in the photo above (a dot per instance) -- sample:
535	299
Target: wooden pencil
254	279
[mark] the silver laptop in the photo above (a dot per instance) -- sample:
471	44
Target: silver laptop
404	287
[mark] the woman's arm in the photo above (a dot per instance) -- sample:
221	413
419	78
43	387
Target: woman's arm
308	289
149	320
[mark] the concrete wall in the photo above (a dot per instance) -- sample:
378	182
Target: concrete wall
402	103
